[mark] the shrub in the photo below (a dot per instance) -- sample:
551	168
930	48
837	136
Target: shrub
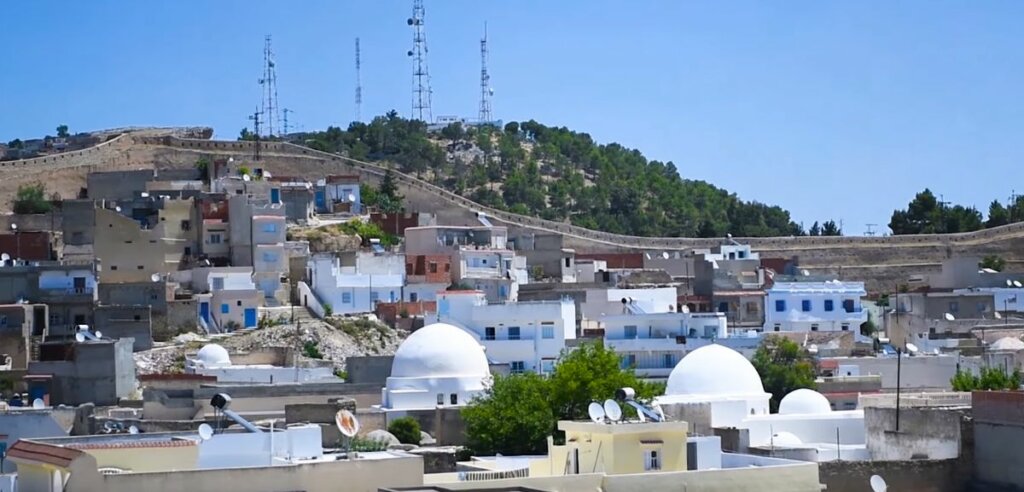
406	429
31	199
311	349
328	310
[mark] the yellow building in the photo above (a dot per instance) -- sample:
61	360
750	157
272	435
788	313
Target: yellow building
615	449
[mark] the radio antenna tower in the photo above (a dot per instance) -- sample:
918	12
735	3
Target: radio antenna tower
255	118
268	85
485	82
359	86
420	72
284	127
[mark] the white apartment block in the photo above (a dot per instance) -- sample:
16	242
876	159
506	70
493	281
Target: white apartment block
653	343
815	306
357	289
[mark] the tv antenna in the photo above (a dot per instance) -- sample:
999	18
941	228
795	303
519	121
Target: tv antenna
359	85
486	91
285	112
255	118
421	91
268	86
871	229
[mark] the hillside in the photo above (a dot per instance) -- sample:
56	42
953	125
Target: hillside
557	174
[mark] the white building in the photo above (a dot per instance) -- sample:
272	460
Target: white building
227	297
815	306
727	252
1004	299
439	365
213	360
806	421
528	336
357	289
606	302
653	343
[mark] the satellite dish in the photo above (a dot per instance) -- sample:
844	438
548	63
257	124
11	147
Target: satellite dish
684	309
647	255
664	254
144	194
805	273
266	174
612	410
205	432
14	227
1009	283
352	197
109	426
935	351
98	334
5	256
346	422
949	317
117	208
1016	283
997	315
911	348
596	412
813	349
246	177
79	337
878	484
155	277
38	404
133	430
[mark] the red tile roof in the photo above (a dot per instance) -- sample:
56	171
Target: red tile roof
43	453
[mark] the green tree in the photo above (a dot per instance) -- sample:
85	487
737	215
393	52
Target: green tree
829	228
784	366
31	199
405	429
512	128
990	379
388	197
512	417
997	215
453	131
16	144
993	262
245	134
62	131
591	372
367	231
815	229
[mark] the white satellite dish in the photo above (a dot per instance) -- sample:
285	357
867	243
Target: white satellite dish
98	334
144	194
1009	283
79	337
38	404
612	410
596	412
997	315
133	430
878	484
14	227
647	255
911	348
352	197
205	432
949	317
805	273
346	422
664	254
813	349
117	208
1016	283
5	256
155	277
684	309
266	174
246	177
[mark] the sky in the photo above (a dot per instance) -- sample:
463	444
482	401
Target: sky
836	110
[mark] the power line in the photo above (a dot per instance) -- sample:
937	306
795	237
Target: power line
359	86
421	91
485	82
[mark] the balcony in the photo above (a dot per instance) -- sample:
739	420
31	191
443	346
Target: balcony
80	294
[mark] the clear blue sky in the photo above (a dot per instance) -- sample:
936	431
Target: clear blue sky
836	109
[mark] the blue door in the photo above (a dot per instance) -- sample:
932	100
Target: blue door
275	195
204	311
250	317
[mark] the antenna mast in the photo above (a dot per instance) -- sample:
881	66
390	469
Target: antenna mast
359	86
255	117
485	82
268	85
285	112
420	72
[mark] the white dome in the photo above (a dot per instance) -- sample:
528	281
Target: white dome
213	355
786	440
1007	343
804	402
714	370
439	350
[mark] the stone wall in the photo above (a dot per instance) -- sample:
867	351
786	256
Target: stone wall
372	369
125	322
918	475
999	428
924	433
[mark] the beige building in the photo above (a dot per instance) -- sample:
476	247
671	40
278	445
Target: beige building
130	253
615	449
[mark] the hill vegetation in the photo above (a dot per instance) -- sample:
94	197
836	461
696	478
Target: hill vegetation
559	174
926	214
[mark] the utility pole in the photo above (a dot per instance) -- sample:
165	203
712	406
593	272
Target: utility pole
421	91
255	117
359	85
871	230
485	82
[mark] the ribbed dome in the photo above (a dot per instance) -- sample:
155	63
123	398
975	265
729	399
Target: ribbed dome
213	355
714	370
439	350
804	402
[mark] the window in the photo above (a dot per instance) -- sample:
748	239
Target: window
346	298
113	267
269	257
805	305
846	327
513	333
668	361
954	306
518	367
238	303
630	331
629	361
848	305
547	330
225	308
454	398
186	225
447	267
780	306
413	297
751	308
814	327
137	317
547	365
830	305
270	227
3	321
982	307
218	283
778	326
652	459
723	307
440	398
374	296
489	333
215	238
139	267
568	261
433	267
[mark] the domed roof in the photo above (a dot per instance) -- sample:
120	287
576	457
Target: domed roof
1007	343
212	355
786	440
803	402
714	370
439	350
